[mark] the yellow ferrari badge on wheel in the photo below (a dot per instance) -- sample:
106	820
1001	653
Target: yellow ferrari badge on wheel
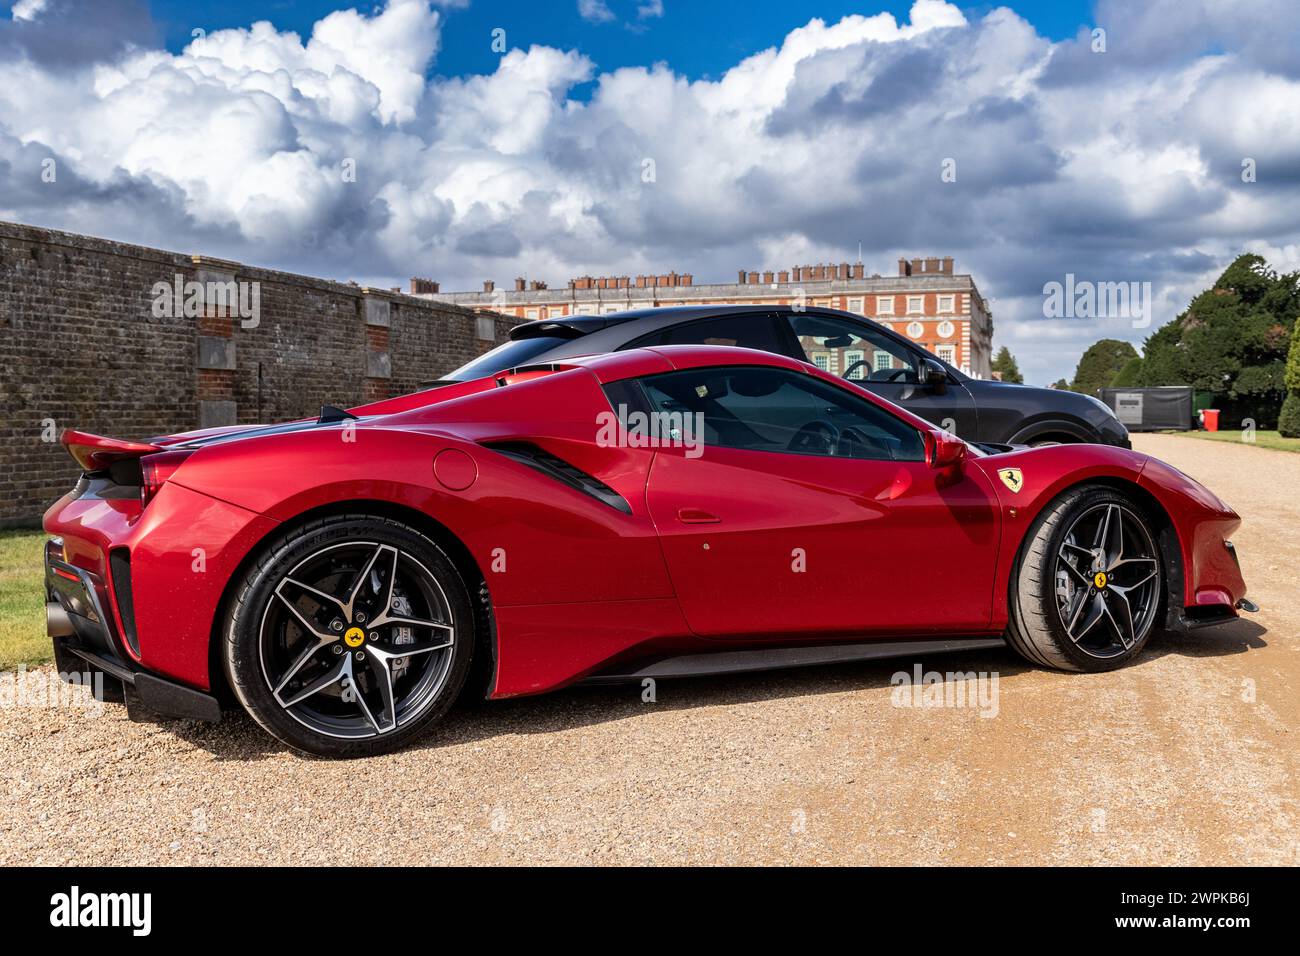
1011	477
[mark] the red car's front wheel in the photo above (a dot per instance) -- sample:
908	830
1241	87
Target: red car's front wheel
1090	583
350	636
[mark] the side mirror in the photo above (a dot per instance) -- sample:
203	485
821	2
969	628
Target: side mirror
933	375
943	450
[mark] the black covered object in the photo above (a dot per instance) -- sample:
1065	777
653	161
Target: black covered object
1151	409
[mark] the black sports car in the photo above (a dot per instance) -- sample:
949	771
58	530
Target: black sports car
860	350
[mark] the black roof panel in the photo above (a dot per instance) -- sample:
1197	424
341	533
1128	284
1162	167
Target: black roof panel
583	324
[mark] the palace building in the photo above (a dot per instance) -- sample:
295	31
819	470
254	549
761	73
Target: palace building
927	301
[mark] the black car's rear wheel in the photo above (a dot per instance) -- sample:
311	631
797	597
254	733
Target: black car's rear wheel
350	637
1089	586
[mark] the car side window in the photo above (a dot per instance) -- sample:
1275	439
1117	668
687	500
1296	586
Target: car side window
852	350
747	331
756	408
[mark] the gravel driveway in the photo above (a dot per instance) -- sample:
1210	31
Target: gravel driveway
1189	756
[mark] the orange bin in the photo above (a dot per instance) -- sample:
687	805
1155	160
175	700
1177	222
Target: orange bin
1211	419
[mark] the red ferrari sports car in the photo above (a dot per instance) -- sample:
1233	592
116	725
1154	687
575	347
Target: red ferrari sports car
650	513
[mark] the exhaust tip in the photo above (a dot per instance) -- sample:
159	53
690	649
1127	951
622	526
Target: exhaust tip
57	622
1247	605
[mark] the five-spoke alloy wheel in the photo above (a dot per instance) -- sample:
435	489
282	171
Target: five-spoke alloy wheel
1107	580
1090	586
350	637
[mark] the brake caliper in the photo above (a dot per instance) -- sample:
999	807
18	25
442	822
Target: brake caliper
401	635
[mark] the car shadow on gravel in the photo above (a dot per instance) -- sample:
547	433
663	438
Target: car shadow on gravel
1220	640
580	706
237	737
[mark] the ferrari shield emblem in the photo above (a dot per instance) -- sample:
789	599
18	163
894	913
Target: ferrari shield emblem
1011	477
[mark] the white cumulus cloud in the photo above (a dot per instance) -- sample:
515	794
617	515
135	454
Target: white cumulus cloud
344	154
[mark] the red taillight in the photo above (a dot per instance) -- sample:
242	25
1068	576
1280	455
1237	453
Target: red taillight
156	469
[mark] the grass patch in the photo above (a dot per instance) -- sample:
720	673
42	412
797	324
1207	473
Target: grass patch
22	600
1263	439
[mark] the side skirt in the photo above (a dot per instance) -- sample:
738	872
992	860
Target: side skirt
766	659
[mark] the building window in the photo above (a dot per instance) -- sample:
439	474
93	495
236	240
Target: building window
884	305
855	305
915	304
532	313
948	353
851	358
946	329
822	360
915	330
884	361
946	306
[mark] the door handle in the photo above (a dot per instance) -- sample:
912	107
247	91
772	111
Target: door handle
696	516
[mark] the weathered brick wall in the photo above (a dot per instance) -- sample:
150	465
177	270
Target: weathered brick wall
80	347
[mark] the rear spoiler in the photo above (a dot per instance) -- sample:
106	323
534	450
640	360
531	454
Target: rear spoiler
95	452
558	330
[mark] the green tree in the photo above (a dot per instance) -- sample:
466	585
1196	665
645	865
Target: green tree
1005	363
1130	375
1288	422
1100	364
1232	340
1061	384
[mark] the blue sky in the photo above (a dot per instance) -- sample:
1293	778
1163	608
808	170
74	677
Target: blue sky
717	34
774	134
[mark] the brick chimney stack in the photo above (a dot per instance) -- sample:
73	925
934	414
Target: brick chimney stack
488	285
420	286
903	268
520	284
947	265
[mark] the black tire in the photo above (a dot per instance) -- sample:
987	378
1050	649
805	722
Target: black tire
1040	613
253	643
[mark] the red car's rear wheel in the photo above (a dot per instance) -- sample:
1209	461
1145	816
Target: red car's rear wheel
1090	583
350	636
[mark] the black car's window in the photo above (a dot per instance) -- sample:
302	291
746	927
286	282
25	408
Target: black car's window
747	331
507	355
852	350
765	409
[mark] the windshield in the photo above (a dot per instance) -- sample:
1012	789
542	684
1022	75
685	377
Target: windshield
507	355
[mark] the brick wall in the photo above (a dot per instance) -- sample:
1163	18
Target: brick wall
81	347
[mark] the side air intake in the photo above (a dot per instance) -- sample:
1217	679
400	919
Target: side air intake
526	453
